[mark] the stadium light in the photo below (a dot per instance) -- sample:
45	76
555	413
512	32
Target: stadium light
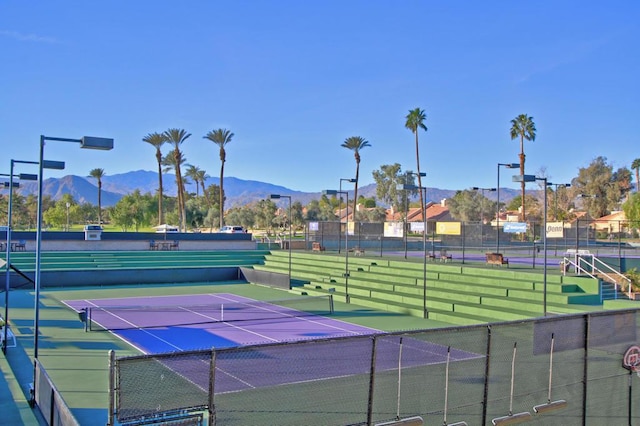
346	240
277	197
86	142
350	180
405	187
11	184
508	166
533	178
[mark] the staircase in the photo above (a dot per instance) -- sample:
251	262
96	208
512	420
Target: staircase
613	282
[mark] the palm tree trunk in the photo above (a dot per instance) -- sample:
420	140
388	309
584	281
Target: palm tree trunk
181	218
422	206
522	184
99	202
222	195
355	192
160	191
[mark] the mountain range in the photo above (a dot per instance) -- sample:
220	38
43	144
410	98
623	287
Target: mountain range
239	192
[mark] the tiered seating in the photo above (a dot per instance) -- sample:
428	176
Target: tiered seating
456	294
105	260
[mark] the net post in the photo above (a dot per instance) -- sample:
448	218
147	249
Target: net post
212	377
85	316
331	308
372	375
112	367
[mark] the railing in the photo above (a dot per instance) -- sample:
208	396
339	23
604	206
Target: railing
596	269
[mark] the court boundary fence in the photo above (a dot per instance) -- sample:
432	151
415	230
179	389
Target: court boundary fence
49	401
568	370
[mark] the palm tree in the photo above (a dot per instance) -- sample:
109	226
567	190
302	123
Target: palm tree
355	144
415	121
198	175
221	137
157	140
636	166
202	176
176	137
98	174
523	127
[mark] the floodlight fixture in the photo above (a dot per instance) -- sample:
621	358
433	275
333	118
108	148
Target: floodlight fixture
524	178
53	165
91	142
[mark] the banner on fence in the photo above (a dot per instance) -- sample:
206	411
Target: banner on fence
393	229
555	229
417	226
448	228
514	227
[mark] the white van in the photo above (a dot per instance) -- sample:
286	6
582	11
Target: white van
167	229
232	230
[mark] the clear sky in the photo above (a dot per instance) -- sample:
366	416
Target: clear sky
294	78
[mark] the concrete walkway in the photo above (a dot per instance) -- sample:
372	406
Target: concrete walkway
15	375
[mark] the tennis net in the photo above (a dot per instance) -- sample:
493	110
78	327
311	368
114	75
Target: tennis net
132	317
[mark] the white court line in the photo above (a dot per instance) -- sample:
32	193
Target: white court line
135	327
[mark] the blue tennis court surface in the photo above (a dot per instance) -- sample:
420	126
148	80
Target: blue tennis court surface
160	324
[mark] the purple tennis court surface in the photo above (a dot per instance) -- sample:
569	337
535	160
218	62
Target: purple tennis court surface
191	325
147	330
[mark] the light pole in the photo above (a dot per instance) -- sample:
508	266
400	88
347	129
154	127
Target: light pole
346	242
87	142
508	166
7	287
555	196
533	178
405	187
350	180
406	210
475	188
277	197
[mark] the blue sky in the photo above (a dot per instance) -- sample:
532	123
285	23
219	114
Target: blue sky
294	79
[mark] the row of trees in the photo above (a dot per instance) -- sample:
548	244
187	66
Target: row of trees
598	189
603	187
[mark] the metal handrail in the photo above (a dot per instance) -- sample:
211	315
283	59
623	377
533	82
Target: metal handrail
592	265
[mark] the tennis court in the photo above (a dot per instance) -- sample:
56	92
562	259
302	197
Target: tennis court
159	324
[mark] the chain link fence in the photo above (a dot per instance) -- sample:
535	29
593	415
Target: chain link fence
568	367
612	238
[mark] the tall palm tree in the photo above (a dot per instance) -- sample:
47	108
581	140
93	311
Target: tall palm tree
176	137
157	140
221	137
636	166
523	127
98	174
355	144
415	121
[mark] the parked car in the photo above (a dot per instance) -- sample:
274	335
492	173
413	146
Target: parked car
232	229
166	229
